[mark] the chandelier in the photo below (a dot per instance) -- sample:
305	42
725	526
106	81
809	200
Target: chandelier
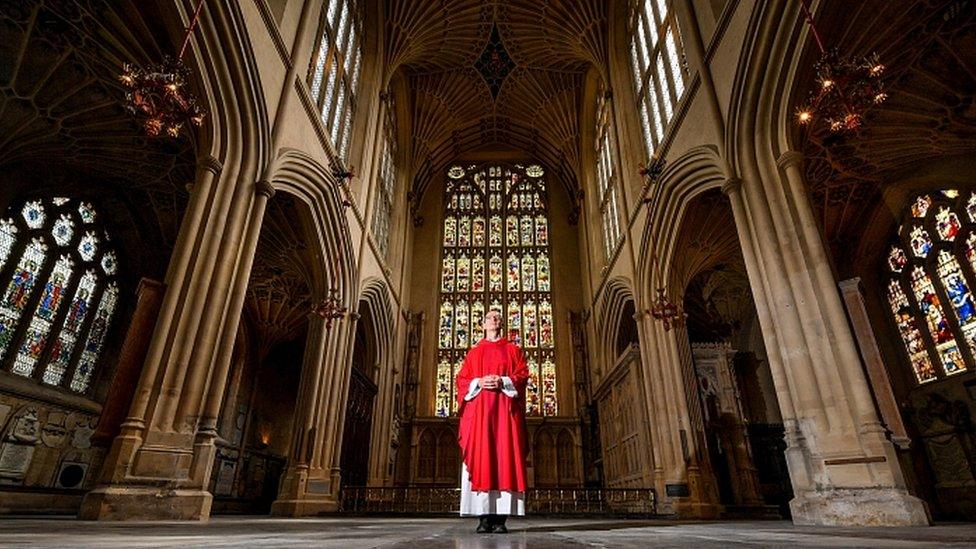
158	94
331	308
666	311
848	86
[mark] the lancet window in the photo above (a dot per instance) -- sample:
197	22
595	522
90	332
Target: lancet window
386	182
495	244
333	76
58	271
606	176
931	270
657	61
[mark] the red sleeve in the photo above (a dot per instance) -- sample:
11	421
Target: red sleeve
520	373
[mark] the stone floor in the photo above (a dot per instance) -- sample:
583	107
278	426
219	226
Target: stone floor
433	533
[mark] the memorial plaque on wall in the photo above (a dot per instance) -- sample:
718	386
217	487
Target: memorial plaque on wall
677	490
14	460
225	478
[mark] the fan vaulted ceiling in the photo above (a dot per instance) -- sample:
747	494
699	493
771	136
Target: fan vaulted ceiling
468	93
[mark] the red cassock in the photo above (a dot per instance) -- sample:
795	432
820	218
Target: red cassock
492	429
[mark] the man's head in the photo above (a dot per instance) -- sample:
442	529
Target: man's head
493	322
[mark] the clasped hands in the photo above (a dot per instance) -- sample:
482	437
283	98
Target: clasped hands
491	382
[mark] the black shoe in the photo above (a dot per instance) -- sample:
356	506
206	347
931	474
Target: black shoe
483	526
499	528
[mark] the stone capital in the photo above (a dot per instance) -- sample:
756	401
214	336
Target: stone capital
852	285
265	188
790	159
211	164
731	185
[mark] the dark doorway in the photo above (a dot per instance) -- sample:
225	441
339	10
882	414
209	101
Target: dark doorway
355	436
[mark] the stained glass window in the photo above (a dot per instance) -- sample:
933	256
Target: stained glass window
496	257
60	269
8	235
930	289
606	175
386	181
659	71
337	62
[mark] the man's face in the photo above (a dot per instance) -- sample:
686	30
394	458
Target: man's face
493	321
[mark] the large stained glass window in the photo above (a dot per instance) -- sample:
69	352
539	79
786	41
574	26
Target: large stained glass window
496	257
931	266
657	61
385	181
606	175
333	76
58	272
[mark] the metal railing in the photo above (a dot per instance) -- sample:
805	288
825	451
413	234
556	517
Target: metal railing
547	501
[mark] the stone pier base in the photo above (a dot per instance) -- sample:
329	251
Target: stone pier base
697	510
859	507
144	503
303	507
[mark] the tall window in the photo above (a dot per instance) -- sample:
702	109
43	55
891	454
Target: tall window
606	175
659	70
932	268
337	64
496	257
60	291
386	182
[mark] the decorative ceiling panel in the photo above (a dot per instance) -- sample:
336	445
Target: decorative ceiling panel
278	296
529	100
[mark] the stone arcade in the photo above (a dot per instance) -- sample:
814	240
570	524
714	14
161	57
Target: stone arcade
264	315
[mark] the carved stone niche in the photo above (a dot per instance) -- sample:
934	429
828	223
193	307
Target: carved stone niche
22	436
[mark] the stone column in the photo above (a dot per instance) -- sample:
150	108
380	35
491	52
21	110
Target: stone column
149	297
877	372
146	472
681	487
310	484
204	448
843	468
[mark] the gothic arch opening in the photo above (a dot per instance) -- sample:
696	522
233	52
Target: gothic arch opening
738	416
257	424
355	456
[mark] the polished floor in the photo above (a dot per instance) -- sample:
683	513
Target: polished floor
433	533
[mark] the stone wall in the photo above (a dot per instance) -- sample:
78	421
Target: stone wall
47	460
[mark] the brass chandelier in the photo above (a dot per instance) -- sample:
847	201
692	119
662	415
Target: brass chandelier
847	87
158	94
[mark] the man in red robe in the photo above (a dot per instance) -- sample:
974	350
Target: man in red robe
491	399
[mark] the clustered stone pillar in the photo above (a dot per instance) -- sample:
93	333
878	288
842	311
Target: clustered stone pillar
159	464
311	482
843	468
682	486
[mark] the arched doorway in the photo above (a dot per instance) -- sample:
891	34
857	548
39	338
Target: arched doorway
740	420
262	392
354	459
